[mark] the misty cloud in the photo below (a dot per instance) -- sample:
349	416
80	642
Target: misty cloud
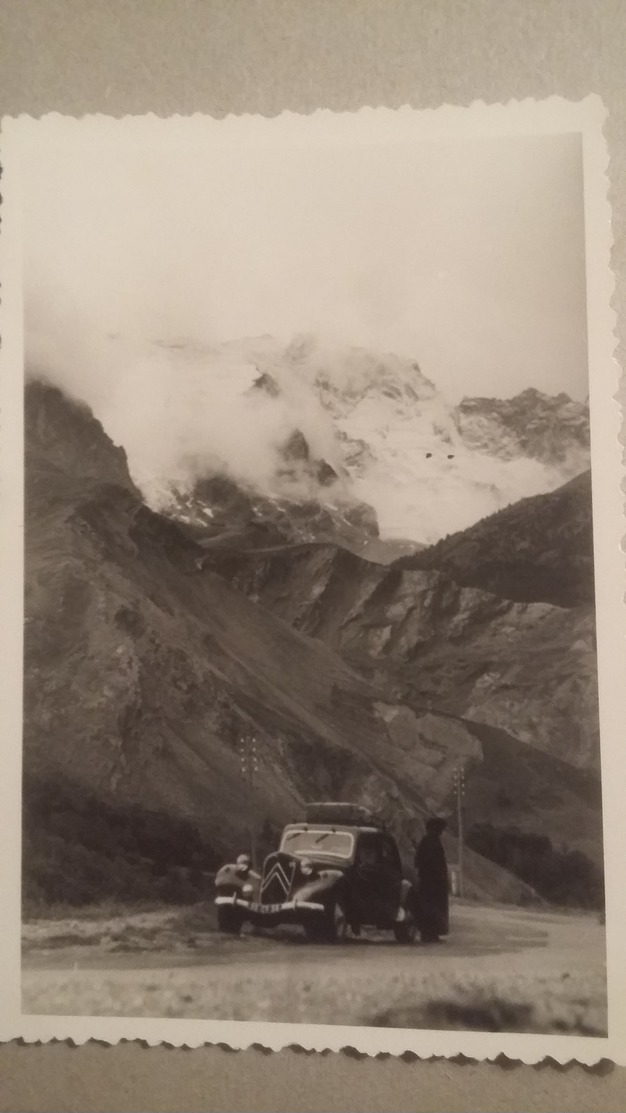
467	255
154	250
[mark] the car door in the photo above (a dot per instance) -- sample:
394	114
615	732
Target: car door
376	888
391	879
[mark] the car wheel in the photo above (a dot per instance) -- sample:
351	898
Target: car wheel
229	919
406	930
331	926
315	930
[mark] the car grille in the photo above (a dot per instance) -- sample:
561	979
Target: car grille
278	876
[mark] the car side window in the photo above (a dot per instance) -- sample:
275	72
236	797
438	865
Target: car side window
368	854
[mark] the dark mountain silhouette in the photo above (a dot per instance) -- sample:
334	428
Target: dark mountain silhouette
537	550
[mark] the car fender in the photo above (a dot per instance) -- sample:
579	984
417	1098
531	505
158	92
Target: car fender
228	881
227	875
319	887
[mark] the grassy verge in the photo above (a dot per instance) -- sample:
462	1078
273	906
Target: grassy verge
114	928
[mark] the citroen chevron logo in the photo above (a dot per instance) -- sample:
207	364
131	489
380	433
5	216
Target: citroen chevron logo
278	873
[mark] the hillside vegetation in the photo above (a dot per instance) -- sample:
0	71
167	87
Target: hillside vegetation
540	549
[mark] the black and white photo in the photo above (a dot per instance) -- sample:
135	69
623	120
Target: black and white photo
320	472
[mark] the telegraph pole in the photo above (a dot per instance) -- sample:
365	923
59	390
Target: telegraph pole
249	768
459	784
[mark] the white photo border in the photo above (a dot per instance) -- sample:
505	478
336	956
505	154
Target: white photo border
549	117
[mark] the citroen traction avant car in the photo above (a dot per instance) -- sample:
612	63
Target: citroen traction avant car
334	873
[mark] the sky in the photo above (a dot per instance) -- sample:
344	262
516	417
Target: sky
466	254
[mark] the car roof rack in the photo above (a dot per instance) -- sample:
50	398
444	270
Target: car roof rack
343	814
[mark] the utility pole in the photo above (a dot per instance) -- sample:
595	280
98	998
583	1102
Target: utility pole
459	784
249	768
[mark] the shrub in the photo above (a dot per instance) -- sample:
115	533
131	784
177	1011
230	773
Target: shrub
78	850
564	877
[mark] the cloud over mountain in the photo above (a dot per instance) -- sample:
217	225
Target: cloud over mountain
376	430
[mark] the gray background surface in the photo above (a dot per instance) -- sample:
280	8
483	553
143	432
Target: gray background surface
264	56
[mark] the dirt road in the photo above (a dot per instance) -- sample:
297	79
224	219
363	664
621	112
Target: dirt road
500	969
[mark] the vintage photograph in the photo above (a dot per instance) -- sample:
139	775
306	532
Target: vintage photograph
310	692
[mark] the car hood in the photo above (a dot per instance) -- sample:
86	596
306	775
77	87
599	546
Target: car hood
324	862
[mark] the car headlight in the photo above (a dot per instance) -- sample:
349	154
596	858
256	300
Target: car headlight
247	889
305	867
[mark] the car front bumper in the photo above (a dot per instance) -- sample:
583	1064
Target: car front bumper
289	912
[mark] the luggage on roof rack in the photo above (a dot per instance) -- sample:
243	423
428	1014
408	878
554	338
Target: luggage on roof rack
349	815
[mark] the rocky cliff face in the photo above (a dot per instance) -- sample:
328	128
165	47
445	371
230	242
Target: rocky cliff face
553	430
63	438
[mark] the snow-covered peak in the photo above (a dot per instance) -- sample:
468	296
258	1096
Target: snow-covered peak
339	425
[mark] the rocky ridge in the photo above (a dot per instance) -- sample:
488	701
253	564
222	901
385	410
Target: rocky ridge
552	429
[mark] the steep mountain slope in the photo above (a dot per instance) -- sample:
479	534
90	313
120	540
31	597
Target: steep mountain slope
495	624
527	668
515	786
143	672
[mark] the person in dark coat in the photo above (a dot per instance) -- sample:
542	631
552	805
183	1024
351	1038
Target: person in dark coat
432	887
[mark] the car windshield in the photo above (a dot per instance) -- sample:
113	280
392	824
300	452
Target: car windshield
338	844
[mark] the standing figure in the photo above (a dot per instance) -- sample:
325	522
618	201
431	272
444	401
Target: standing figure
432	888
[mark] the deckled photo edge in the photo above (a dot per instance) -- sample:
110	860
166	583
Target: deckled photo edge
588	116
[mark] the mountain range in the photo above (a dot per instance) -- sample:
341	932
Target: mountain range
344	429
158	641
